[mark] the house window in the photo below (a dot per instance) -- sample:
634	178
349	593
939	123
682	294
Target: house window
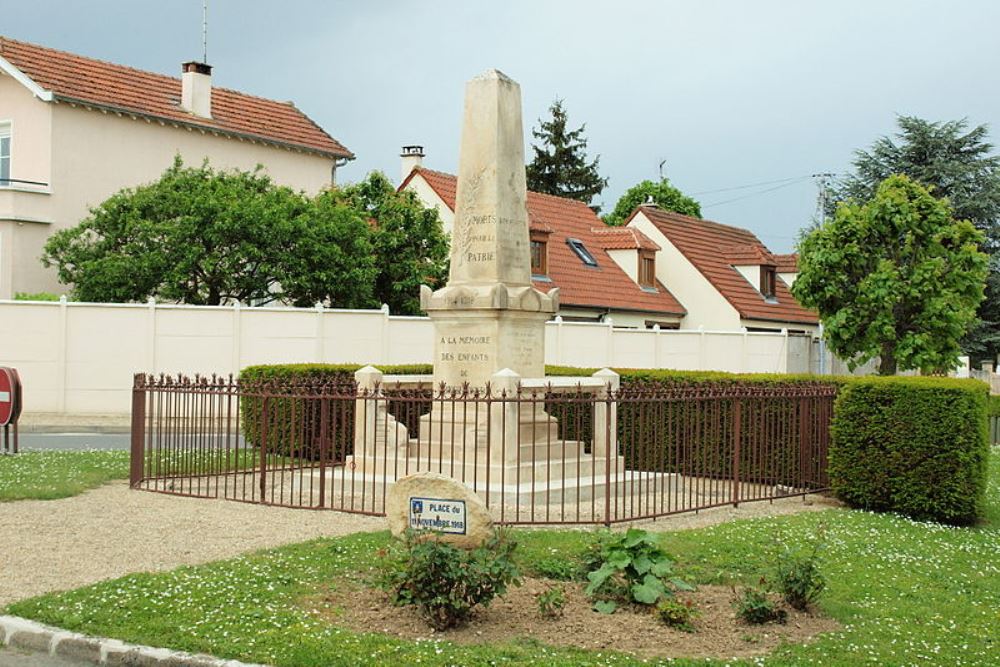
767	281
4	155
647	269
582	252
539	261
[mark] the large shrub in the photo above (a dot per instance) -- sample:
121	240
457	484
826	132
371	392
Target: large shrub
916	446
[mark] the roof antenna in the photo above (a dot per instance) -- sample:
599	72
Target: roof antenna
662	162
204	31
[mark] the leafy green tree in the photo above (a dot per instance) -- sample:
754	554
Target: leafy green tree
954	162
895	277
560	165
409	245
663	194
202	236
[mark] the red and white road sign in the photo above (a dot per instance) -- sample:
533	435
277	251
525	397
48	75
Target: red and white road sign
10	396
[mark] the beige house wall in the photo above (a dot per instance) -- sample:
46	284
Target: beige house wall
25	210
87	155
426	194
706	308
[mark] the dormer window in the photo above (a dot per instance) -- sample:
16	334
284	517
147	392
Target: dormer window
767	281
539	255
647	269
582	252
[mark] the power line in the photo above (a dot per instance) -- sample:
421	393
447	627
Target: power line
755	194
750	185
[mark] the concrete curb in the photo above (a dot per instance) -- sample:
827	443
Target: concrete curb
31	636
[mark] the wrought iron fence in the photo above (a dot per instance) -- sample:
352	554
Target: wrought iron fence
583	453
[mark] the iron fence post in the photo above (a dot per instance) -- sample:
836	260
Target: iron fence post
737	437
263	449
138	433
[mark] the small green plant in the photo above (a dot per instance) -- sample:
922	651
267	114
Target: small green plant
556	568
444	582
629	567
677	613
798	577
551	602
755	606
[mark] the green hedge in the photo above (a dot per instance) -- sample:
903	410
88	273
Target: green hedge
917	446
294	425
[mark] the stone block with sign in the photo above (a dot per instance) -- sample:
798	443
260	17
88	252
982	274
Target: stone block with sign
427	502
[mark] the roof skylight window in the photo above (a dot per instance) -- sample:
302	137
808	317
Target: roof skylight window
582	252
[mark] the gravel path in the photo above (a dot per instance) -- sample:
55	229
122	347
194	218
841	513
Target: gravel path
111	531
51	545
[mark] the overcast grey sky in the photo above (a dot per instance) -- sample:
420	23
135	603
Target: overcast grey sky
728	93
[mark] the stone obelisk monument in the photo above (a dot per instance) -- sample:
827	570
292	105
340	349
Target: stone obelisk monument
489	317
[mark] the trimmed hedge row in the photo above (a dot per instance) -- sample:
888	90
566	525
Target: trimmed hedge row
294	426
917	446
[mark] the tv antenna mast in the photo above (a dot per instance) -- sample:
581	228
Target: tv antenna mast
204	31
823	183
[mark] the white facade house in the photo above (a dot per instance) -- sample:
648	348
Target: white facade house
75	130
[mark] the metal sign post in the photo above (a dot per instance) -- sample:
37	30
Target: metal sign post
10	406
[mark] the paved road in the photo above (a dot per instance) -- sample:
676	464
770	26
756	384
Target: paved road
74	441
15	658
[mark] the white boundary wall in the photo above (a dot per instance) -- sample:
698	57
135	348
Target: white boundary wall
79	358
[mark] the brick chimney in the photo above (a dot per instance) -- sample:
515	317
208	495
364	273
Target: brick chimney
196	88
412	157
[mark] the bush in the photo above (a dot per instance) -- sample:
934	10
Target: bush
444	582
798	577
917	446
629	567
677	613
756	607
551	602
294	425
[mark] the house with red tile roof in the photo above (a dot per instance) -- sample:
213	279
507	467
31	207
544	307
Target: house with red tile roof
600	271
74	130
725	277
659	269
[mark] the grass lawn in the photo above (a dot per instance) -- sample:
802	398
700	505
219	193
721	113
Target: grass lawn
46	475
907	593
51	474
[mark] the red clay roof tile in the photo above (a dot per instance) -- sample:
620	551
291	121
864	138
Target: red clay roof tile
603	286
76	78
700	242
623	238
787	263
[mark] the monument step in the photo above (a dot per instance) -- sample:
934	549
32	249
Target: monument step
577	490
527	471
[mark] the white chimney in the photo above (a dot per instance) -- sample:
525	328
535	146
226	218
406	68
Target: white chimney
412	157
196	89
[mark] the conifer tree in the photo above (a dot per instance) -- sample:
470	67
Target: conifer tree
560	165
